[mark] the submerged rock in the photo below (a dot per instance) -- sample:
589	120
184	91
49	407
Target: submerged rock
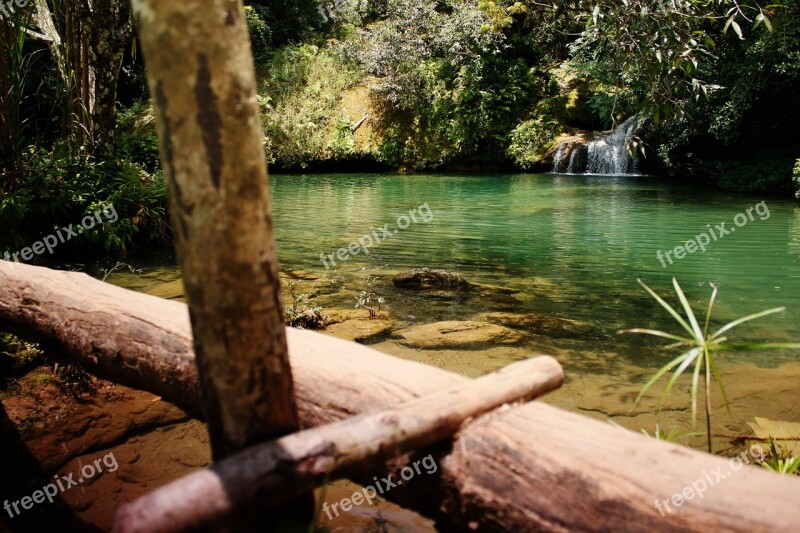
172	290
305	275
439	279
540	324
493	289
356	325
430	278
456	334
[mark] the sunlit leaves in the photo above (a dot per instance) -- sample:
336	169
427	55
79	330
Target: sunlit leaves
661	45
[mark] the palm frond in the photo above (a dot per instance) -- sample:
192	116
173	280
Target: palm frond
668	307
688	309
730	325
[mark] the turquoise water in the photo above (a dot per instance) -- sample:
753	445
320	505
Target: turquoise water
573	246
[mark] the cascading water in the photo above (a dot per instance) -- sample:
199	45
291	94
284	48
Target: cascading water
605	153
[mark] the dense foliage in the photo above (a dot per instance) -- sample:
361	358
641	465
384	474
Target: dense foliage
58	163
498	80
417	84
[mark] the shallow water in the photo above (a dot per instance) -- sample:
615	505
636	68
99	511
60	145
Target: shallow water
573	246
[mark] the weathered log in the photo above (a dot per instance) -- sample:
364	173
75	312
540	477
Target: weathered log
533	467
286	467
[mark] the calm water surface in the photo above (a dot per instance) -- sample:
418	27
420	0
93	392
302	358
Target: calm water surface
573	246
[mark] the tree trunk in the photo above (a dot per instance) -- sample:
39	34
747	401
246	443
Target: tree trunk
88	62
210	144
529	468
76	122
109	28
43	19
211	151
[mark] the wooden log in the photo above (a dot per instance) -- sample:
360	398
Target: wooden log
530	468
286	467
358	124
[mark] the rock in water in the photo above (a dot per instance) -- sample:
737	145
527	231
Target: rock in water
540	324
430	278
356	325
452	335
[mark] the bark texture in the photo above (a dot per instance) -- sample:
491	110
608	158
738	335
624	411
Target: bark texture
528	468
295	464
202	79
109	28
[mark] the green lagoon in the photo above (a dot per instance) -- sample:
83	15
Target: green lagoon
573	246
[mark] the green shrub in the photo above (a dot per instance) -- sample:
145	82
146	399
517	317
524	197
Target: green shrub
259	30
796	178
450	88
300	93
57	190
766	176
17	356
140	148
136	136
531	139
343	141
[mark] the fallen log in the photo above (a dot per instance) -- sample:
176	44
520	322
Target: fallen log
530	468
358	124
295	464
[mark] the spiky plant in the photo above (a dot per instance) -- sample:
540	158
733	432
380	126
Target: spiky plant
700	349
782	465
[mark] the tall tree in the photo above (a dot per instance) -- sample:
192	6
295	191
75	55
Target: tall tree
109	28
88	56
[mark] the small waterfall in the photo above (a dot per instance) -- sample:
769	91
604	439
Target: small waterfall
603	153
578	157
559	161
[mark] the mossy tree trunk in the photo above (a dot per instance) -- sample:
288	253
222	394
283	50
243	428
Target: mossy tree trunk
109	28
